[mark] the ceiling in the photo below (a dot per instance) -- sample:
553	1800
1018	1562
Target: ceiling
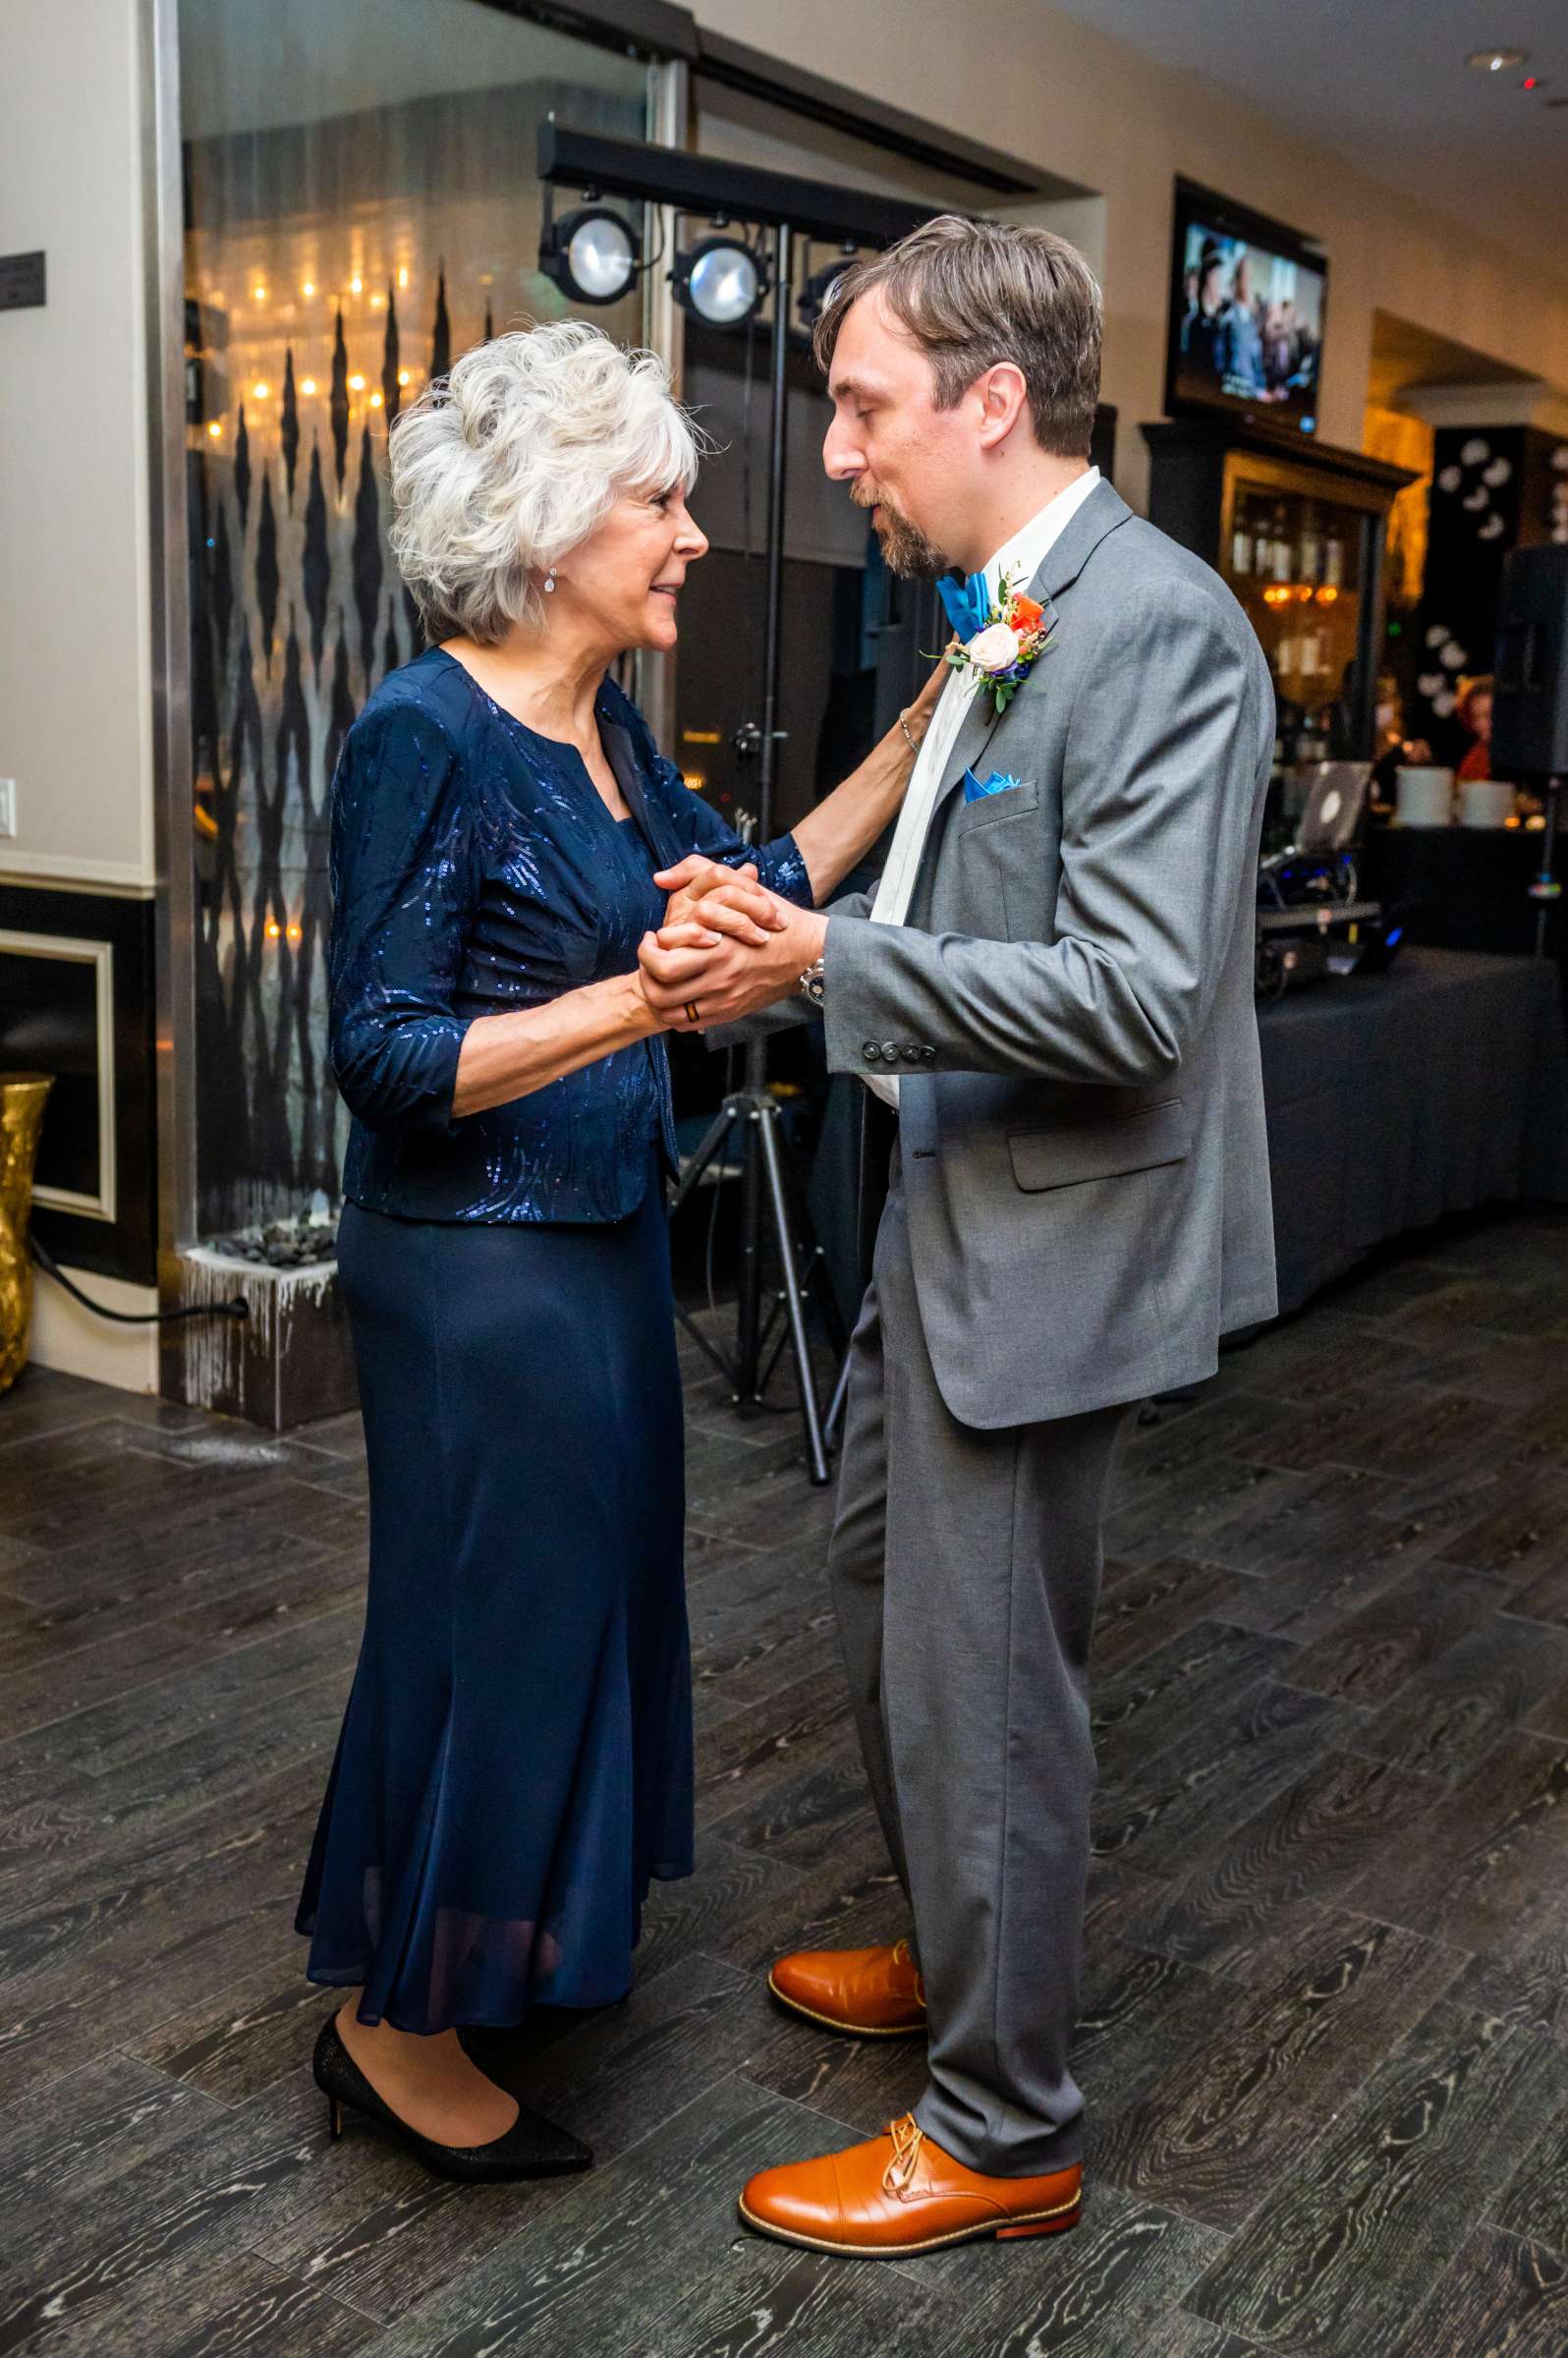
1385	84
1404	357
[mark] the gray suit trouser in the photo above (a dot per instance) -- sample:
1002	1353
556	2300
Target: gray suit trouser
965	1568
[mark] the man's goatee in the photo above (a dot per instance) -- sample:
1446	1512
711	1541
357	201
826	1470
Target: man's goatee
906	550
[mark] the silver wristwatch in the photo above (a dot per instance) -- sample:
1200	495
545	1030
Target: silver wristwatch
811	985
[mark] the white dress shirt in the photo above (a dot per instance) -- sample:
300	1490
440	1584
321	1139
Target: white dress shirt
1021	557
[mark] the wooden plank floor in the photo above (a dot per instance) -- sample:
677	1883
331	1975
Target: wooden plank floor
1325	2032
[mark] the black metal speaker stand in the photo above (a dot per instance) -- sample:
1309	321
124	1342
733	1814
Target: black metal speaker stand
1548	886
772	1213
772	1201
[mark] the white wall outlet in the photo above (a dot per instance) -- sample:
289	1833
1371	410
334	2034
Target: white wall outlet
8	806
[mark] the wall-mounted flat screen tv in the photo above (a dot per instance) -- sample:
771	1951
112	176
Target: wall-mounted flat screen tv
1247	307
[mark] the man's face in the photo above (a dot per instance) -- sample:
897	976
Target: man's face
908	462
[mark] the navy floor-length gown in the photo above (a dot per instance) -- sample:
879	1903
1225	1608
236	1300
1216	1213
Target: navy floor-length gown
515	1763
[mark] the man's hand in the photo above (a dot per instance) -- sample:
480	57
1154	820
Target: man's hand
720	900
683	967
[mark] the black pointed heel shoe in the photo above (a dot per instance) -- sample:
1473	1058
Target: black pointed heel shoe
532	2147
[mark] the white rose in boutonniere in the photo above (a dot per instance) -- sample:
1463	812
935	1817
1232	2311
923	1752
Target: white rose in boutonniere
1001	657
995	648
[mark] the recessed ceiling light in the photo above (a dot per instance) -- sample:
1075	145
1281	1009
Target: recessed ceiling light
1496	61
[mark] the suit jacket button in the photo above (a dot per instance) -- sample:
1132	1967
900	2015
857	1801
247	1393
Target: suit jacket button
871	1052
911	1055
890	1051
927	1056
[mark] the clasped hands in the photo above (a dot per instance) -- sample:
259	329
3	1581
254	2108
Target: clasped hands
727	946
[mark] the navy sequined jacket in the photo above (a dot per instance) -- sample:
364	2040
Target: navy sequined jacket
475	869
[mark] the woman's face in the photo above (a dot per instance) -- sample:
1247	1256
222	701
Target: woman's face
627	576
1480	714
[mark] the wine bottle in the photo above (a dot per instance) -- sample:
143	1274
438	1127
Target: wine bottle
1282	550
1311	547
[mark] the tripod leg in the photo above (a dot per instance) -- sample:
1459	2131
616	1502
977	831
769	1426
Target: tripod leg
711	1351
713	1144
714	1139
816	1282
772	1160
839	1402
774	1354
1546	887
749	1281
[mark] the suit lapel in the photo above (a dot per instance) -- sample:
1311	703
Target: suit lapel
973	736
1101	512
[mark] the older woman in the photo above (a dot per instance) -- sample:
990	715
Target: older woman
515	1763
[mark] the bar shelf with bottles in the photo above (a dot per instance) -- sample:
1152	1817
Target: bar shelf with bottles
1297	531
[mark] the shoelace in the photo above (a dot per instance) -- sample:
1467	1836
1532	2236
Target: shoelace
907	2137
901	1955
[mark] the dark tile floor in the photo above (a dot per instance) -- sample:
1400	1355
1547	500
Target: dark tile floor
1324	2036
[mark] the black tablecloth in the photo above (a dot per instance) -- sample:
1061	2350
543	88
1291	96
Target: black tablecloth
1393	1099
1463	888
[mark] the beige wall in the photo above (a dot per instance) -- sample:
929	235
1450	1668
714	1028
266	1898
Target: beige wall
74	662
75	690
1028	79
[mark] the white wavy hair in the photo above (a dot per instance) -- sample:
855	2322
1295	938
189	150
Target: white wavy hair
503	467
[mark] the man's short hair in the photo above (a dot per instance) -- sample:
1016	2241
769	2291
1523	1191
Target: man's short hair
974	293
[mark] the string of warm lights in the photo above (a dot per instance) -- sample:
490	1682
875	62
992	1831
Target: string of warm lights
1285	593
308	388
274	326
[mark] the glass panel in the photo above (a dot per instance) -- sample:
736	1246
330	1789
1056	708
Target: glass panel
360	207
1294	564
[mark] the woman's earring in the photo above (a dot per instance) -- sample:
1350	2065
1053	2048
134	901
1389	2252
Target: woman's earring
549	580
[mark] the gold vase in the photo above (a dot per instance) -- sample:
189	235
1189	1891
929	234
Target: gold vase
21	1102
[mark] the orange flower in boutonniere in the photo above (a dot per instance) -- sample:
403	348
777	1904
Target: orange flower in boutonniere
1004	650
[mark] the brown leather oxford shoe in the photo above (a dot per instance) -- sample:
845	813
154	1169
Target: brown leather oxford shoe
873	1993
900	2195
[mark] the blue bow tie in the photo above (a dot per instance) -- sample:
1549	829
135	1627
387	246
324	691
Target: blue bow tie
967	604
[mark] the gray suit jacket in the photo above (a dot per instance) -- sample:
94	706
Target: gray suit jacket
1069	1008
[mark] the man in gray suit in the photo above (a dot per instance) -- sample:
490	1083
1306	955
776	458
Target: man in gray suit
1054	986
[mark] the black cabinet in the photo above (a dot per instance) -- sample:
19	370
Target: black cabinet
1297	531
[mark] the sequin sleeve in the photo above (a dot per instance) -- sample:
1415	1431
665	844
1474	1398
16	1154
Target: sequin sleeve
404	882
779	865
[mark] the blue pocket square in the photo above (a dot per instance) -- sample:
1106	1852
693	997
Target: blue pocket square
1000	781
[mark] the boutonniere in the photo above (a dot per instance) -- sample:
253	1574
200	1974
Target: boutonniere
1005	650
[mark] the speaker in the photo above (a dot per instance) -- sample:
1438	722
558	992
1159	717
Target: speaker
1530	707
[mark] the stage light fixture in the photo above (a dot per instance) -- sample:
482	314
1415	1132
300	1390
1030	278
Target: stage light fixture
593	254
720	280
819	288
